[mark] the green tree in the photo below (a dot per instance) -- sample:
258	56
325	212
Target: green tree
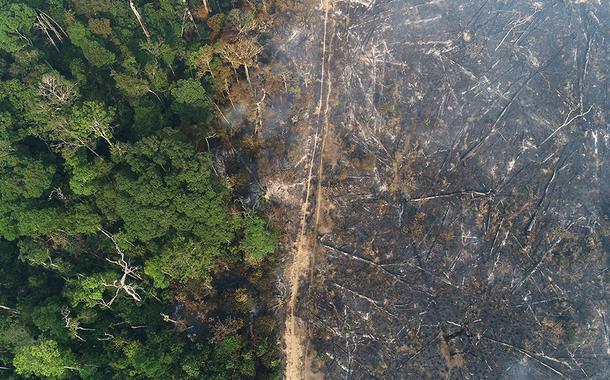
13	334
48	319
130	85
29	114
156	358
96	54
84	172
183	260
200	60
42	359
258	240
26	178
190	92
22	181
91	291
6	137
190	100
87	123
36	253
162	187
15	23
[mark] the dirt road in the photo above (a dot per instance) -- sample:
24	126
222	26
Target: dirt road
295	338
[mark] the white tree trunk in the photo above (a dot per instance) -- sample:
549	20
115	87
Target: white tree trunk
139	18
248	75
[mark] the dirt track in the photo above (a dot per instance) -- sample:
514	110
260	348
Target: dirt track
295	338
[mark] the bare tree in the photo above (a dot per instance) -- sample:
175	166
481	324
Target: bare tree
128	271
58	91
50	28
73	325
139	18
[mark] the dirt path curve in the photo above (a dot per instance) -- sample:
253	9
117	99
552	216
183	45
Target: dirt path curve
295	338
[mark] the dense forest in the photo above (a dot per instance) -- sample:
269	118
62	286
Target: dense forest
127	248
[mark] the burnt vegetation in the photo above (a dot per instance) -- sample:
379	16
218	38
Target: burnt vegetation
464	229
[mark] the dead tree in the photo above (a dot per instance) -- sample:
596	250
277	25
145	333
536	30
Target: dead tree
567	122
471	193
72	325
187	15
86	135
128	271
537	264
50	28
56	90
259	113
100	130
139	18
106	337
532	356
205	54
9	309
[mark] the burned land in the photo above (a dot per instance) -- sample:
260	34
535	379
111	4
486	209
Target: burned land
444	175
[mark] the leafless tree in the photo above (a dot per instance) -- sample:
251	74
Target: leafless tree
128	271
72	324
139	18
50	28
58	91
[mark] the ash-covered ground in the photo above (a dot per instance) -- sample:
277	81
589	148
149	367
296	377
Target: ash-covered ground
459	209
